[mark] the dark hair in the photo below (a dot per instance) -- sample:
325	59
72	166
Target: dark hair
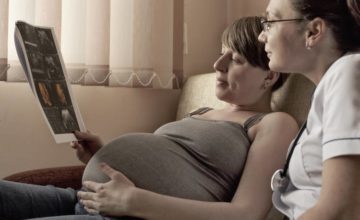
338	15
242	36
354	6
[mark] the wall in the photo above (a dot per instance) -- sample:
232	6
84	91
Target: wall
238	8
26	143
205	20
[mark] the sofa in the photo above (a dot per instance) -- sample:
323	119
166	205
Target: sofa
198	91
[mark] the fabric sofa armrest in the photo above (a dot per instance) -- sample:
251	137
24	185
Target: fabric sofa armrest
68	176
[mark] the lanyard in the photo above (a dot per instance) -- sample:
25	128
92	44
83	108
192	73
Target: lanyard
280	180
292	148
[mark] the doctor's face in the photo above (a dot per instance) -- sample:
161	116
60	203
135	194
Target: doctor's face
284	37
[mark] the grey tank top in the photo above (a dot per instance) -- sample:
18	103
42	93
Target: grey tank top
193	158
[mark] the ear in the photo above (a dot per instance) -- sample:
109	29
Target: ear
271	79
314	32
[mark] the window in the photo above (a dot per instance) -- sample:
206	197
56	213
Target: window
103	42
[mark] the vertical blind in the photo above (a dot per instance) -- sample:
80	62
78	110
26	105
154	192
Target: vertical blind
103	42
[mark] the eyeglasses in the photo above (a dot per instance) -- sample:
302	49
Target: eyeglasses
266	24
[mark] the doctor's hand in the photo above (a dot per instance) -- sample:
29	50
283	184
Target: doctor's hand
86	146
109	198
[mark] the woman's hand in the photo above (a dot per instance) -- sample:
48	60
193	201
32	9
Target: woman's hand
109	198
86	146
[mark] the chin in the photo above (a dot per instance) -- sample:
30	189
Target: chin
277	67
220	95
224	98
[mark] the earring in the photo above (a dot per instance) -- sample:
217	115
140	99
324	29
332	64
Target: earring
307	45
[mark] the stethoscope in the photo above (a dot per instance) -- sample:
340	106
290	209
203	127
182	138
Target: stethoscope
280	179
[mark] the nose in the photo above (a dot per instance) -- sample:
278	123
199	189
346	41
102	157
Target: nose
262	37
220	64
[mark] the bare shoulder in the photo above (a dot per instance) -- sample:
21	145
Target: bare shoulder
279	120
277	124
273	135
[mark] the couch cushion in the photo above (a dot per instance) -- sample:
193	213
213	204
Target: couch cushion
68	176
198	91
294	97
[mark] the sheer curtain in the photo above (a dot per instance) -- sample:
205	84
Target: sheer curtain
103	42
3	38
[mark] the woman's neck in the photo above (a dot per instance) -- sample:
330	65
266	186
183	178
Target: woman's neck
322	64
263	105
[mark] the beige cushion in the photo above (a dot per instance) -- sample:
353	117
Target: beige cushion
198	91
294	97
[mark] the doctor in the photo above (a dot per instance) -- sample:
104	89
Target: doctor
320	39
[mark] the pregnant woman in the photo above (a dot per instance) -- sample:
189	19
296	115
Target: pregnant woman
213	164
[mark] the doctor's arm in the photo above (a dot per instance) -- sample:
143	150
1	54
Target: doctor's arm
340	194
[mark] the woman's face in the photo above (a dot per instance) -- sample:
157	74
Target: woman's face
237	81
284	40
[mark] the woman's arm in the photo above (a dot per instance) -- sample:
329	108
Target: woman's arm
252	199
340	194
86	146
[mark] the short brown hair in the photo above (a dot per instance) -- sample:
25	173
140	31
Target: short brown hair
354	7
242	36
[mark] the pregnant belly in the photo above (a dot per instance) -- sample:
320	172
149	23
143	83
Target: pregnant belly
158	164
